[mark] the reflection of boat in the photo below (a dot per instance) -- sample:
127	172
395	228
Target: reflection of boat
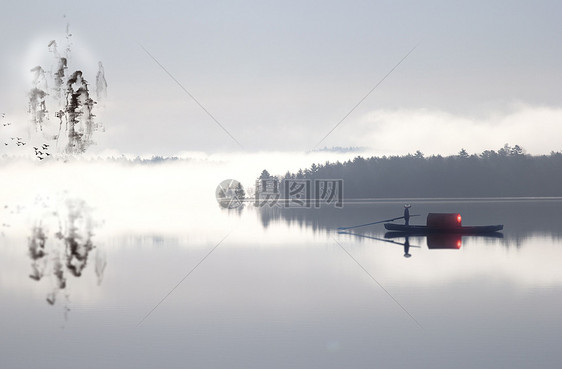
442	223
398	234
442	240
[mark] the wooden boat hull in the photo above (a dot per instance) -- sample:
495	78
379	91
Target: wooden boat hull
419	229
397	234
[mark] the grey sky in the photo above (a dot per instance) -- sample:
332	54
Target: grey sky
280	75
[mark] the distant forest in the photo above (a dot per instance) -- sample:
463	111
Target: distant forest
508	172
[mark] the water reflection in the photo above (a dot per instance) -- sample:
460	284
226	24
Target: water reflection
443	241
407	248
287	291
61	243
405	244
522	218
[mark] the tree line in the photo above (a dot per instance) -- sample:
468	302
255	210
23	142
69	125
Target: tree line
507	172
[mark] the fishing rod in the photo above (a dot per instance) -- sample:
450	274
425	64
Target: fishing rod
375	238
380	221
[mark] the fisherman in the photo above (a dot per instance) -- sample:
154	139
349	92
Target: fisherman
407	214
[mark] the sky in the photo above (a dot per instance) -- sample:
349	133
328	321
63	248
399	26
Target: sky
280	75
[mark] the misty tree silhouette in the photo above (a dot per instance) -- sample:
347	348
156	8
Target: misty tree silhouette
506	172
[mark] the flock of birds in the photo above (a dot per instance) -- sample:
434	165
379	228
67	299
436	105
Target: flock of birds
19	142
40	152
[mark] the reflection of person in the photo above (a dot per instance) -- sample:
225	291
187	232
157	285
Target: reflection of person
407	214
407	246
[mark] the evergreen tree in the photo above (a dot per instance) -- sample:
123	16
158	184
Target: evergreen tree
264	174
240	193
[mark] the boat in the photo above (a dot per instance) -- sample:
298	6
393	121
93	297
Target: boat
442	223
401	234
422	230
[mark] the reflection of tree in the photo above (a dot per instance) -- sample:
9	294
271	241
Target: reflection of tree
67	250
37	252
37	244
77	239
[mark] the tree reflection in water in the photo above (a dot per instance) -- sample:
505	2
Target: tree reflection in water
61	243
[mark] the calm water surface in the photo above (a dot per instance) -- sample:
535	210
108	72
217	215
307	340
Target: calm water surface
203	287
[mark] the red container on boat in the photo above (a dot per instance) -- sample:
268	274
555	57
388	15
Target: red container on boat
444	220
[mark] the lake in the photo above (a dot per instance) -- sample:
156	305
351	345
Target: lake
117	276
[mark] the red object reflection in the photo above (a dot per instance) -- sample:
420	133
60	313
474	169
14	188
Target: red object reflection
444	241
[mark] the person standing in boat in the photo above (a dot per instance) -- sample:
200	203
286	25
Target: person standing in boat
407	214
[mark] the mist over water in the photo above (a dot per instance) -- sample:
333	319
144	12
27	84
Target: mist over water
128	160
89	248
132	262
